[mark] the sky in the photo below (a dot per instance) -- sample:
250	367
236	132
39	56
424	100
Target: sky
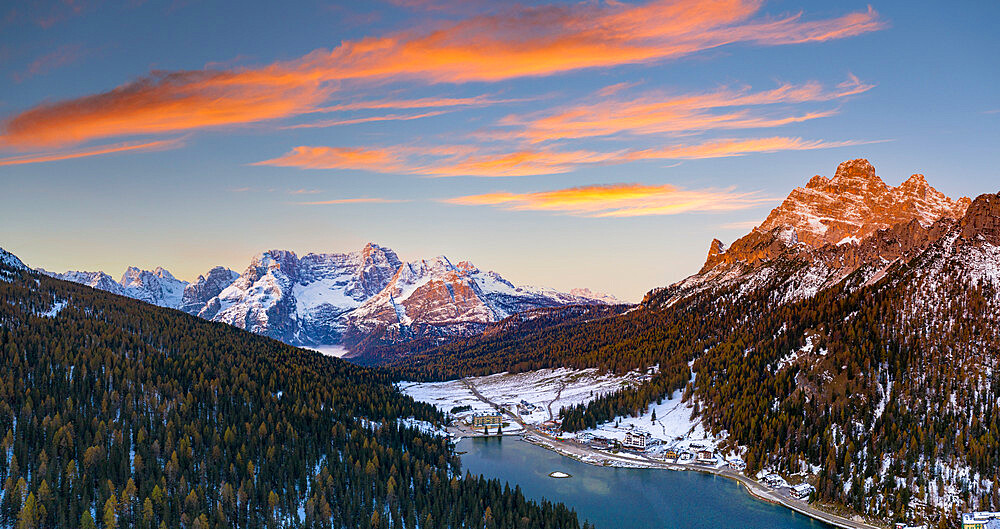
563	144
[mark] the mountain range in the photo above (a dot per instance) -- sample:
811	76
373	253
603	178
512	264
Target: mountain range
341	298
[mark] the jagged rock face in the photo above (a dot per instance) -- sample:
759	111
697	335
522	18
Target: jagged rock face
852	225
260	301
983	219
856	203
158	287
198	294
437	298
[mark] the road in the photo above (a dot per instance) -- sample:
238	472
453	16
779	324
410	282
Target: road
582	452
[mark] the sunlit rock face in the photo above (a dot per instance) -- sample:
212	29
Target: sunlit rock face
834	227
856	203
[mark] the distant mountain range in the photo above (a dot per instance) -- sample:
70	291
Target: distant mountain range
341	298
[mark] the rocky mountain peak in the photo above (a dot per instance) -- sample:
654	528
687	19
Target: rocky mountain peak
131	276
163	273
855	203
264	262
716	248
859	175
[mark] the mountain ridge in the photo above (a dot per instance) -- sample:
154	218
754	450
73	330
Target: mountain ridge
829	229
337	298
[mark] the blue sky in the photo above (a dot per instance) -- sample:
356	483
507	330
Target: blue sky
598	145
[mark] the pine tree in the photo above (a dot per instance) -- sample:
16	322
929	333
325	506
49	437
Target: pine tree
87	520
29	515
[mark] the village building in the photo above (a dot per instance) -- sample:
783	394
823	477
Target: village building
706	457
636	440
736	463
671	454
600	443
981	520
802	491
775	481
487	419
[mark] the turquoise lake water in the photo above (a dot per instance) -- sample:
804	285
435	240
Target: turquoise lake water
625	498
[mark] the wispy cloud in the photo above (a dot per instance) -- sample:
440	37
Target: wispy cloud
615	88
742	225
724	148
93	151
618	200
661	113
519	42
304	191
306	157
471	160
351	201
61	56
423	102
369	119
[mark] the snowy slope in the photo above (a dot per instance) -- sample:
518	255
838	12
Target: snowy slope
10	260
8	263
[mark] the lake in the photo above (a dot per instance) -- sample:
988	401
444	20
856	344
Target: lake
625	498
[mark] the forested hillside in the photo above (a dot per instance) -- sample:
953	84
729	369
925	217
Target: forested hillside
115	413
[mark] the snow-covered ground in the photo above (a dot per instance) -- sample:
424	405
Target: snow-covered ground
673	428
542	390
56	308
329	350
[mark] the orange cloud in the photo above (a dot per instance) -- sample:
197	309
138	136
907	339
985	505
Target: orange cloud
164	102
304	157
654	114
618	200
518	163
94	151
524	41
466	160
723	148
533	41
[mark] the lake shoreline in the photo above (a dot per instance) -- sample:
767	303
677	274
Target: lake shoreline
754	489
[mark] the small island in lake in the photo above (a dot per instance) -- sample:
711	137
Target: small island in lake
559	475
